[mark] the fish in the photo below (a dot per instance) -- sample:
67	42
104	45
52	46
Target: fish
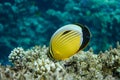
68	40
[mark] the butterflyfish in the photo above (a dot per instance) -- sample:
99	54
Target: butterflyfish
68	40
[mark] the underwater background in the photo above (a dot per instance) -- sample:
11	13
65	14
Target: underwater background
26	23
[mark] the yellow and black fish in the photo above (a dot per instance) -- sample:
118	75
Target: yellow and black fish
68	40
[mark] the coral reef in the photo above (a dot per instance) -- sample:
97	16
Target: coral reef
29	19
34	64
37	64
28	23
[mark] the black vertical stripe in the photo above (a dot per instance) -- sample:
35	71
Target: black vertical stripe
50	53
86	36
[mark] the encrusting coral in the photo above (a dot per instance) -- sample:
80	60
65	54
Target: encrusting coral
34	64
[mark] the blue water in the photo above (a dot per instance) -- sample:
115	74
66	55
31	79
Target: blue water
27	23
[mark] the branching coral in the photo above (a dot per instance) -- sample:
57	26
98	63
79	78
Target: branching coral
31	18
104	66
37	63
34	64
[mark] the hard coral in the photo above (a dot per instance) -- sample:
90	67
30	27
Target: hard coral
34	64
37	63
104	66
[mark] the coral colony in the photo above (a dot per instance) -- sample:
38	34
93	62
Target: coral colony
26	23
34	64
